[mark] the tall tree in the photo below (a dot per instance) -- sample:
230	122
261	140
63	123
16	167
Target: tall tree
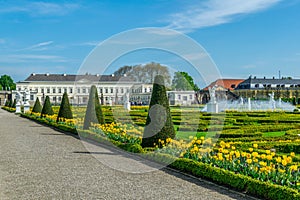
65	108
183	81
7	83
159	123
123	70
145	73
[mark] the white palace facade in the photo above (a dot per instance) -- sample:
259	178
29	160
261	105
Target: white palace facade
112	89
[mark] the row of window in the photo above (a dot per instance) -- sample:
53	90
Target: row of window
85	90
277	86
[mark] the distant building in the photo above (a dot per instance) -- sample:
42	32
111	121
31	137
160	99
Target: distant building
262	87
224	90
111	89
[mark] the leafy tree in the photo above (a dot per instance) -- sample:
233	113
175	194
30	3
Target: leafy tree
37	108
183	81
154	129
94	112
65	108
123	70
145	73
47	108
7	83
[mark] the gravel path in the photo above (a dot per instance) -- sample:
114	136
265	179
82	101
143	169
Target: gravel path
37	162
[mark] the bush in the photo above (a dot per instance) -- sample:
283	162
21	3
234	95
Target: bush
37	108
94	112
154	129
14	103
47	108
64	109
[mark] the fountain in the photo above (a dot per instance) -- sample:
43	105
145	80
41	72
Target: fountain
251	105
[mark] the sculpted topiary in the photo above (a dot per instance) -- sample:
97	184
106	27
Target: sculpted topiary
64	109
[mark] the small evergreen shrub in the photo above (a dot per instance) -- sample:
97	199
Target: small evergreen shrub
37	108
64	109
94	112
154	132
47	108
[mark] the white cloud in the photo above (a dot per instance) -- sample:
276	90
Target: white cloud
39	46
25	58
41	8
215	12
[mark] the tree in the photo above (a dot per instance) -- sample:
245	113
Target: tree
93	112
159	112
65	108
37	108
47	108
123	70
183	81
7	83
145	73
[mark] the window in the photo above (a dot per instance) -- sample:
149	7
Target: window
256	86
65	90
111	90
48	90
54	98
31	97
179	96
184	98
59	90
59	98
78	90
42	90
117	90
122	90
53	90
106	90
71	90
83	90
145	89
191	97
101	90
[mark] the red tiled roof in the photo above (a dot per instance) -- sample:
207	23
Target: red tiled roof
230	84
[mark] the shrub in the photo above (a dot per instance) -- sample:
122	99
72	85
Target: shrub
154	130
94	112
37	108
47	108
64	109
14	103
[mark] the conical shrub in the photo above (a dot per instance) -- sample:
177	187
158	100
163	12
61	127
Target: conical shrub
65	108
94	112
159	123
47	108
14	103
37	108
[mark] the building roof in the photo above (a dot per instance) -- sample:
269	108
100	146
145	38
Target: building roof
229	84
73	78
271	81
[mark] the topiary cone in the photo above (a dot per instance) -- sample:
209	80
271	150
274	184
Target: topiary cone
64	109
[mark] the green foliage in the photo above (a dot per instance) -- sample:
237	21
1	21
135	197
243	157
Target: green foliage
47	108
94	110
154	130
37	108
183	81
14	103
65	108
7	83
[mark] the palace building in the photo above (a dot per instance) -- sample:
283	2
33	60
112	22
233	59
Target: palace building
112	89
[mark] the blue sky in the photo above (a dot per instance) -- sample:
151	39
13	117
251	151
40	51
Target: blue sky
257	37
